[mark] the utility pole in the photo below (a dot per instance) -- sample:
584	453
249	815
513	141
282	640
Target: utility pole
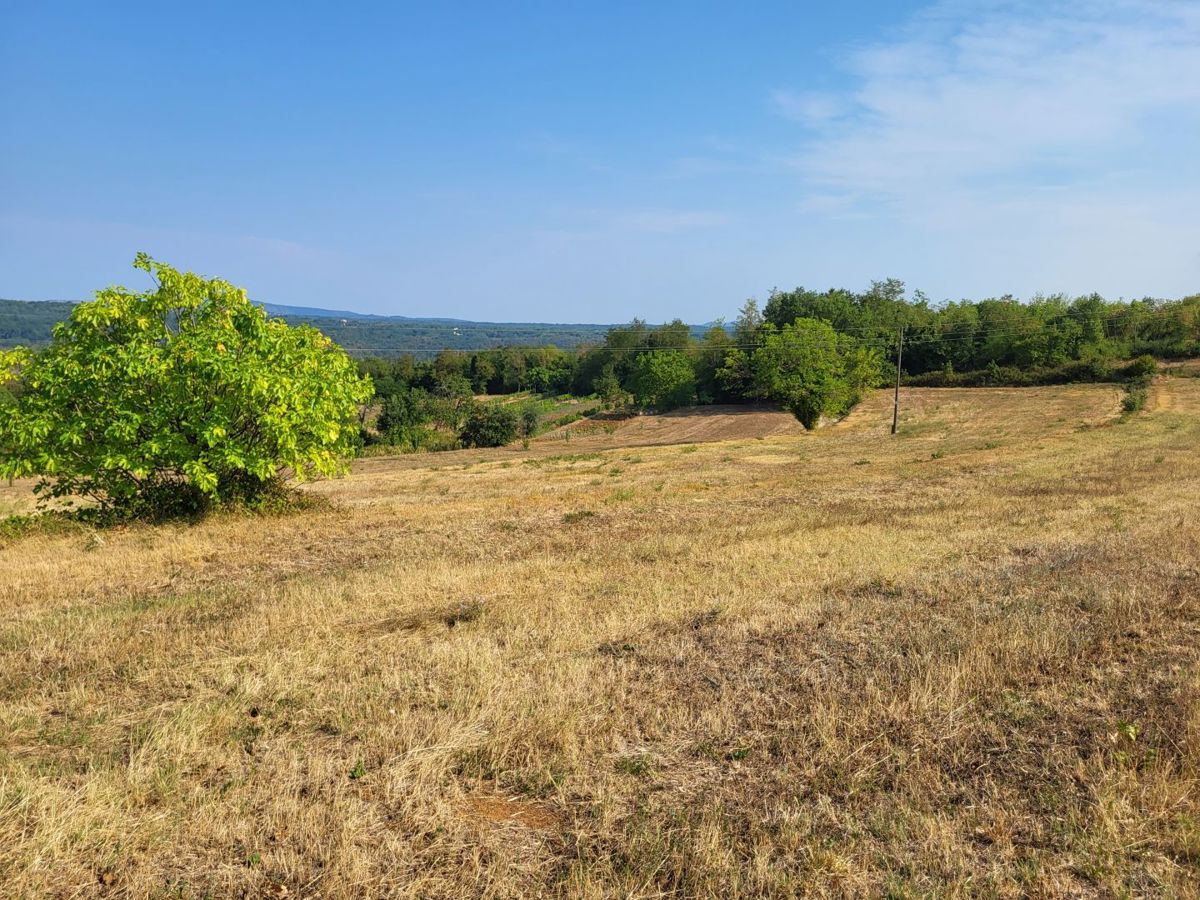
896	403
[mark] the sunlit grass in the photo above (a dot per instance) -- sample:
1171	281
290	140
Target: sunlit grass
959	660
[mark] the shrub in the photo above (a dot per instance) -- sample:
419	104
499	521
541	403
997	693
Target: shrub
1143	367
529	421
1096	369
406	419
489	425
173	399
610	392
1135	399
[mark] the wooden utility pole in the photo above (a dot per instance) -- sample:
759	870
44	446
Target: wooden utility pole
896	402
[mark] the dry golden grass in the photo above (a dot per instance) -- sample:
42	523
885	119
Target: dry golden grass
962	661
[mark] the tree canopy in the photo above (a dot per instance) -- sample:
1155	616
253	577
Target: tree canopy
663	380
183	394
813	371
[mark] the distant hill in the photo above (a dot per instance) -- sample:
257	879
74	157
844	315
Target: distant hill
22	322
313	312
361	334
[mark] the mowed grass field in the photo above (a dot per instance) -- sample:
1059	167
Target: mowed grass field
961	661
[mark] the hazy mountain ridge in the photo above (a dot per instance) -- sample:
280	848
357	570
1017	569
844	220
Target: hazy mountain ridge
30	322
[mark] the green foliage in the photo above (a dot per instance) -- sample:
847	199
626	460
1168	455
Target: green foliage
178	397
1143	367
529	421
22	322
736	378
708	362
1083	371
662	380
489	425
812	371
404	418
612	395
1134	399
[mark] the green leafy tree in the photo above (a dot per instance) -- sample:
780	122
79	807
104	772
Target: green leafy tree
736	378
663	379
177	397
453	401
529	421
813	371
749	320
489	425
608	389
483	371
404	418
708	360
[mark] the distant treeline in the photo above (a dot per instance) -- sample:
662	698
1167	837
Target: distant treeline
28	324
813	352
424	338
964	335
967	336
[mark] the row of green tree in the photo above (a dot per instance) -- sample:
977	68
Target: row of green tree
965	336
187	395
813	352
805	365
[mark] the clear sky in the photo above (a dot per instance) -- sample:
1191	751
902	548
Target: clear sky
569	162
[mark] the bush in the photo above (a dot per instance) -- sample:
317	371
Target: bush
489	425
1084	371
610	392
174	399
1080	371
1144	367
570	417
529	421
1134	399
405	417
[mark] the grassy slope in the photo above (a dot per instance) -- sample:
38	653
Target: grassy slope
960	661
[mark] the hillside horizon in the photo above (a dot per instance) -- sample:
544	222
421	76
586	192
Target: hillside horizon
31	321
319	312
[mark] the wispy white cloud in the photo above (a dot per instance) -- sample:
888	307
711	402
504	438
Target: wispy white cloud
1046	93
1056	129
813	108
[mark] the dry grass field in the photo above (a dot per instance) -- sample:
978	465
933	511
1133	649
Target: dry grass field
962	661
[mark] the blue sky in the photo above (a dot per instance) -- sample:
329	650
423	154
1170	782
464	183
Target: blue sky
551	162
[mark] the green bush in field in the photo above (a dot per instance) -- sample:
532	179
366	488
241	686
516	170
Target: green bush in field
1142	367
489	425
177	398
529	421
404	419
1134	399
